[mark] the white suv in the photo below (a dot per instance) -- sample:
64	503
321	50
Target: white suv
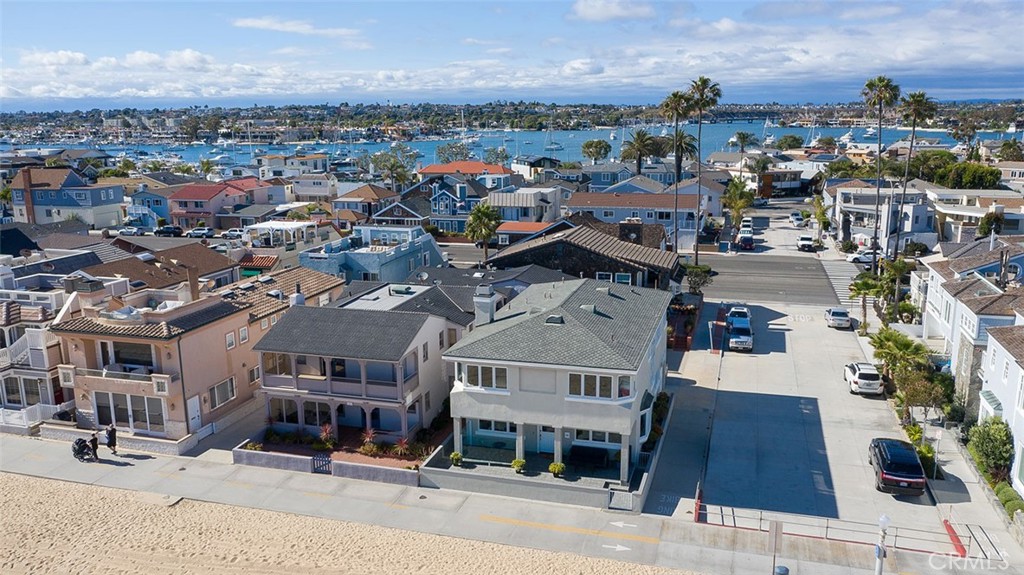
863	378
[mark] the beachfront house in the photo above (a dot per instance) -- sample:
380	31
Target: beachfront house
563	366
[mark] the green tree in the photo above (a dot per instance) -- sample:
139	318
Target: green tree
452	152
990	223
498	156
759	167
396	165
190	128
789	141
212	123
154	166
920	391
674	107
639	147
965	131
744	139
206	166
901	356
916	107
5	195
56	163
482	224
184	169
596	150
827	142
297	215
928	164
698	278
737	199
703	95
127	165
879	92
863	289
969	176
1010	151
893	272
991	445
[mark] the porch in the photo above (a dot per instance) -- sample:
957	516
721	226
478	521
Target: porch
348	419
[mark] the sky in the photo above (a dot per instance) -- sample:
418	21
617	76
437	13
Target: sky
146	53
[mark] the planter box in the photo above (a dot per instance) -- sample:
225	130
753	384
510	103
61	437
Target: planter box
288	462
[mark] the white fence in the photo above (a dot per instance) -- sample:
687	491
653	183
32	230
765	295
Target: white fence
32	414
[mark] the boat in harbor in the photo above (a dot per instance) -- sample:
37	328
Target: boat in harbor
611	135
870	132
551	145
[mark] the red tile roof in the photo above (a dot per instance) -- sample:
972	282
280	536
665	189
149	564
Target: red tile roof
254	261
523	227
204	192
465	167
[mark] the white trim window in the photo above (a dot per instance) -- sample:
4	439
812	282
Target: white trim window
593	436
243	334
229	339
496	427
625	278
590	385
254	375
222	393
486	376
264	323
603	276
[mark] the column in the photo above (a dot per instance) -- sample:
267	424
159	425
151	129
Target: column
457	432
405	422
558	445
520	441
362	374
334	420
301	405
624	461
368	416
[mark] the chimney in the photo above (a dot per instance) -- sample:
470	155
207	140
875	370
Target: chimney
26	184
193	283
6	277
297	298
485	304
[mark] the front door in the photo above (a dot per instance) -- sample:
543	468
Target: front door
195	415
545	439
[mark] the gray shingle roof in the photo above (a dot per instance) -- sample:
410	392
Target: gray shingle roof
353	333
613	334
452	276
436	301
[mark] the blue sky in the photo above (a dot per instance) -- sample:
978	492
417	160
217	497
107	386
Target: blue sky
144	53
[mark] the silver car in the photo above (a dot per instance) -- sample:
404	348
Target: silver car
838	318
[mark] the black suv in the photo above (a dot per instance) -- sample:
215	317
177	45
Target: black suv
897	468
169	231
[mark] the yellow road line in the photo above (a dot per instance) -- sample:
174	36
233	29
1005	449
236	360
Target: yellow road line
570	529
398	506
317	495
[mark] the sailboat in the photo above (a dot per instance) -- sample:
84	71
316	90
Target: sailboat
611	135
551	145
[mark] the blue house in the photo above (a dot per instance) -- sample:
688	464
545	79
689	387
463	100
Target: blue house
375	253
149	205
46	195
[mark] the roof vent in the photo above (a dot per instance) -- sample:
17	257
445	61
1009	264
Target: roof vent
555	319
604	289
276	293
247	287
145	256
589	307
264	279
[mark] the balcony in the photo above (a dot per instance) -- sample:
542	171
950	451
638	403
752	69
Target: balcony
321	385
138	379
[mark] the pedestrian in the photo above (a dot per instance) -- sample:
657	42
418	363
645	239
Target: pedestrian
112	438
94	444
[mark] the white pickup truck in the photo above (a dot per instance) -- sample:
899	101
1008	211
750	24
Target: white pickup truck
805	243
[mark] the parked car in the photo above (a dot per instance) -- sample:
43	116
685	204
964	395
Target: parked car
741	335
799	221
746	229
897	467
737	312
864	256
232	234
838	318
200	233
169	231
747	222
805	243
131	231
863	378
760	202
745	242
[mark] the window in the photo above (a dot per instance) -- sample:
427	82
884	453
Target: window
283	410
1020	394
229	338
650	215
591	386
222	393
273	320
323	300
451	336
603	276
316	413
634	214
136	412
440	339
426	352
1006	370
277	364
12	392
426	401
598	436
264	323
489	426
608	214
243	334
49	213
254	375
486	376
664	216
625	386
623	278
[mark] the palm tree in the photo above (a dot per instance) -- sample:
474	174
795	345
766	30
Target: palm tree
642	145
893	273
703	95
482	223
737	199
900	354
916	107
863	289
878	93
744	139
760	167
674	106
206	166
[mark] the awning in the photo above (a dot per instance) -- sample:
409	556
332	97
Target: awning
992	402
249	273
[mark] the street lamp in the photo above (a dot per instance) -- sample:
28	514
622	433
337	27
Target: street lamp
883	524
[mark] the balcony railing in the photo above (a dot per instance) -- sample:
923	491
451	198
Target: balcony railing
32	414
161	381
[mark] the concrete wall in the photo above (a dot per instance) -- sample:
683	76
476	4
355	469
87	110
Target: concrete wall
287	462
512	487
63	432
376	473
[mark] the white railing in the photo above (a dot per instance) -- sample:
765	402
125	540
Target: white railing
10	354
32	414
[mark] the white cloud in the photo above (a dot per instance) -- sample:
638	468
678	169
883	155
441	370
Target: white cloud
187	59
499	51
871	12
56	58
582	67
477	42
141	58
351	37
604	10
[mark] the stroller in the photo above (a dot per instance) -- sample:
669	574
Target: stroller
82	451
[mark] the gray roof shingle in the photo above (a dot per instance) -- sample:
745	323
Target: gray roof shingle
614	333
351	333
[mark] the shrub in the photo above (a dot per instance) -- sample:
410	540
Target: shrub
556	469
914	433
847	247
369	449
518	465
1001	486
991	444
271	436
912	248
369	435
1013	507
327	435
253	446
1009	495
456	458
401	448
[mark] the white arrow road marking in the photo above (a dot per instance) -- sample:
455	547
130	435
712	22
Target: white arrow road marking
622	524
617	547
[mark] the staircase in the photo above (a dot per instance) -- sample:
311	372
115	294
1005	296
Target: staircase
15	354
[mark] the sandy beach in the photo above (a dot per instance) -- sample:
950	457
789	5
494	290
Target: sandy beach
110	531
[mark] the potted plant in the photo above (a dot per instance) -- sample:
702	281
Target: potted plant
670	340
556	469
518	465
456	458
